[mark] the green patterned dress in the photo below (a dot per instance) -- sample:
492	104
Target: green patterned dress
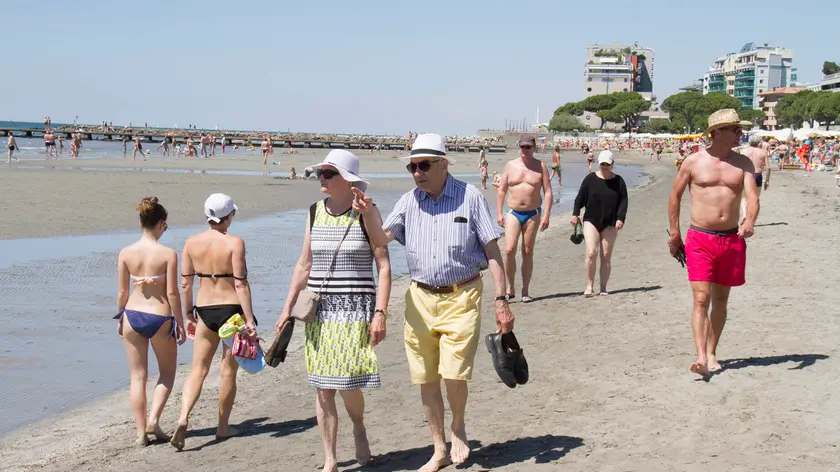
339	355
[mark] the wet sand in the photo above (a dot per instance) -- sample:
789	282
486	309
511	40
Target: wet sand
610	387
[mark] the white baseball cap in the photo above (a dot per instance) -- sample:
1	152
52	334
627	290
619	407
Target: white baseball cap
605	157
218	206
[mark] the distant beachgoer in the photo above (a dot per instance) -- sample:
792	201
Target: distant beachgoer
150	313
604	196
350	320
224	143
137	148
483	168
218	260
497	180
125	146
11	146
264	147
555	166
590	156
761	161
60	145
293	174
526	179
715	244
163	144
49	144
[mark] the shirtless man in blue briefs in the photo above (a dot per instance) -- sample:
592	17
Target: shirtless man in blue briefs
523	178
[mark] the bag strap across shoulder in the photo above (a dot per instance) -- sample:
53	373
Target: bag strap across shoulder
353	219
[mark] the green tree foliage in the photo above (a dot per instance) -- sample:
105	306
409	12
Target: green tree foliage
564	122
694	108
656	126
617	107
756	117
808	106
830	67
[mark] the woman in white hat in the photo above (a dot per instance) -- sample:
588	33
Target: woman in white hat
218	260
604	195
350	319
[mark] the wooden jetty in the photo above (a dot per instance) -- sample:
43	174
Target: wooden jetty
255	138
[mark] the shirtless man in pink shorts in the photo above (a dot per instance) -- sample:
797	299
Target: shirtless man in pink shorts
715	246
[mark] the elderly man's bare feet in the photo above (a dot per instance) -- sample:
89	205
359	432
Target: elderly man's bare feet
157	432
226	432
699	368
362	445
713	363
437	462
460	448
330	467
177	440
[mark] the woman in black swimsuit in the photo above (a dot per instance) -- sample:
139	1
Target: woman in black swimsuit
218	260
604	195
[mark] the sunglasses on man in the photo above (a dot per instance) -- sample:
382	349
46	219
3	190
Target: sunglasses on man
526	147
422	166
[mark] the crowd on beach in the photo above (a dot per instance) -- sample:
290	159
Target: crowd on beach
450	238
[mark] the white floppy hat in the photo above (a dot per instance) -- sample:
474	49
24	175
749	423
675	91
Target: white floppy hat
347	165
428	145
606	156
218	206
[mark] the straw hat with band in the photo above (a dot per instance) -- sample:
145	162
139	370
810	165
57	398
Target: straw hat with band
724	118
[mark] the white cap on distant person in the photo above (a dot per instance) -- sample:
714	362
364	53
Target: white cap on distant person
605	157
347	165
218	206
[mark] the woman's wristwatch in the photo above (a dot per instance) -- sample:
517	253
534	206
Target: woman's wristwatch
380	310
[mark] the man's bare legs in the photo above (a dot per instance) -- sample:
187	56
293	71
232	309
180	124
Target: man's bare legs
432	399
592	240
529	239
708	329
512	233
608	237
700	325
717	320
456	394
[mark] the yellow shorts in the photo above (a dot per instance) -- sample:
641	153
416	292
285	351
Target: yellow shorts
442	332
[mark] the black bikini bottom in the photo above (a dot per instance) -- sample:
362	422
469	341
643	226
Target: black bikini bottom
214	316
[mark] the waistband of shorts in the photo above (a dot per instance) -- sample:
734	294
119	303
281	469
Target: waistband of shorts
713	232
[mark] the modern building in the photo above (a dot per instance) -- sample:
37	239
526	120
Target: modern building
770	99
751	71
829	83
616	68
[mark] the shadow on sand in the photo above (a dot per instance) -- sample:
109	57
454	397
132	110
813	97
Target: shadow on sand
254	427
779	223
612	292
803	360
544	449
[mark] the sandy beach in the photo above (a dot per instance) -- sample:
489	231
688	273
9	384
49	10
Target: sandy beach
610	388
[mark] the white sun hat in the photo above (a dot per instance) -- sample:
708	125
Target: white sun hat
218	206
429	145
347	165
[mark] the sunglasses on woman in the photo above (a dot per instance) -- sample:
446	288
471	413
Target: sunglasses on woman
325	173
422	166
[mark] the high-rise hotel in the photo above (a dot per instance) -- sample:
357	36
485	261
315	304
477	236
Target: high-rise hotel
750	72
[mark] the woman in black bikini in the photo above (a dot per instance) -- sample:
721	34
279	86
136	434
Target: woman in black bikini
604	195
218	260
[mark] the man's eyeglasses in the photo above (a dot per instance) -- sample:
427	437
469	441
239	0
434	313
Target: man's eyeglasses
422	166
526	147
325	173
605	164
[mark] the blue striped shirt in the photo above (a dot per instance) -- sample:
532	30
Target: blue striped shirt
444	239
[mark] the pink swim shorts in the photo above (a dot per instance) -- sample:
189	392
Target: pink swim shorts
719	257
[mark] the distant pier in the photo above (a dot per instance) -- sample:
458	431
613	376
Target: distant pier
244	138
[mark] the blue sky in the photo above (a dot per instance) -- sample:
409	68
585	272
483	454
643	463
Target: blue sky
369	66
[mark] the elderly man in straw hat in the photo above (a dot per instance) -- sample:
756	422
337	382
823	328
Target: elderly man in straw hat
449	237
715	246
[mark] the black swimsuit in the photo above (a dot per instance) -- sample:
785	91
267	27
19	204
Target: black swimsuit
214	316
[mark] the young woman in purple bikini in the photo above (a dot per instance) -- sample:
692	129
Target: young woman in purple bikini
150	313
